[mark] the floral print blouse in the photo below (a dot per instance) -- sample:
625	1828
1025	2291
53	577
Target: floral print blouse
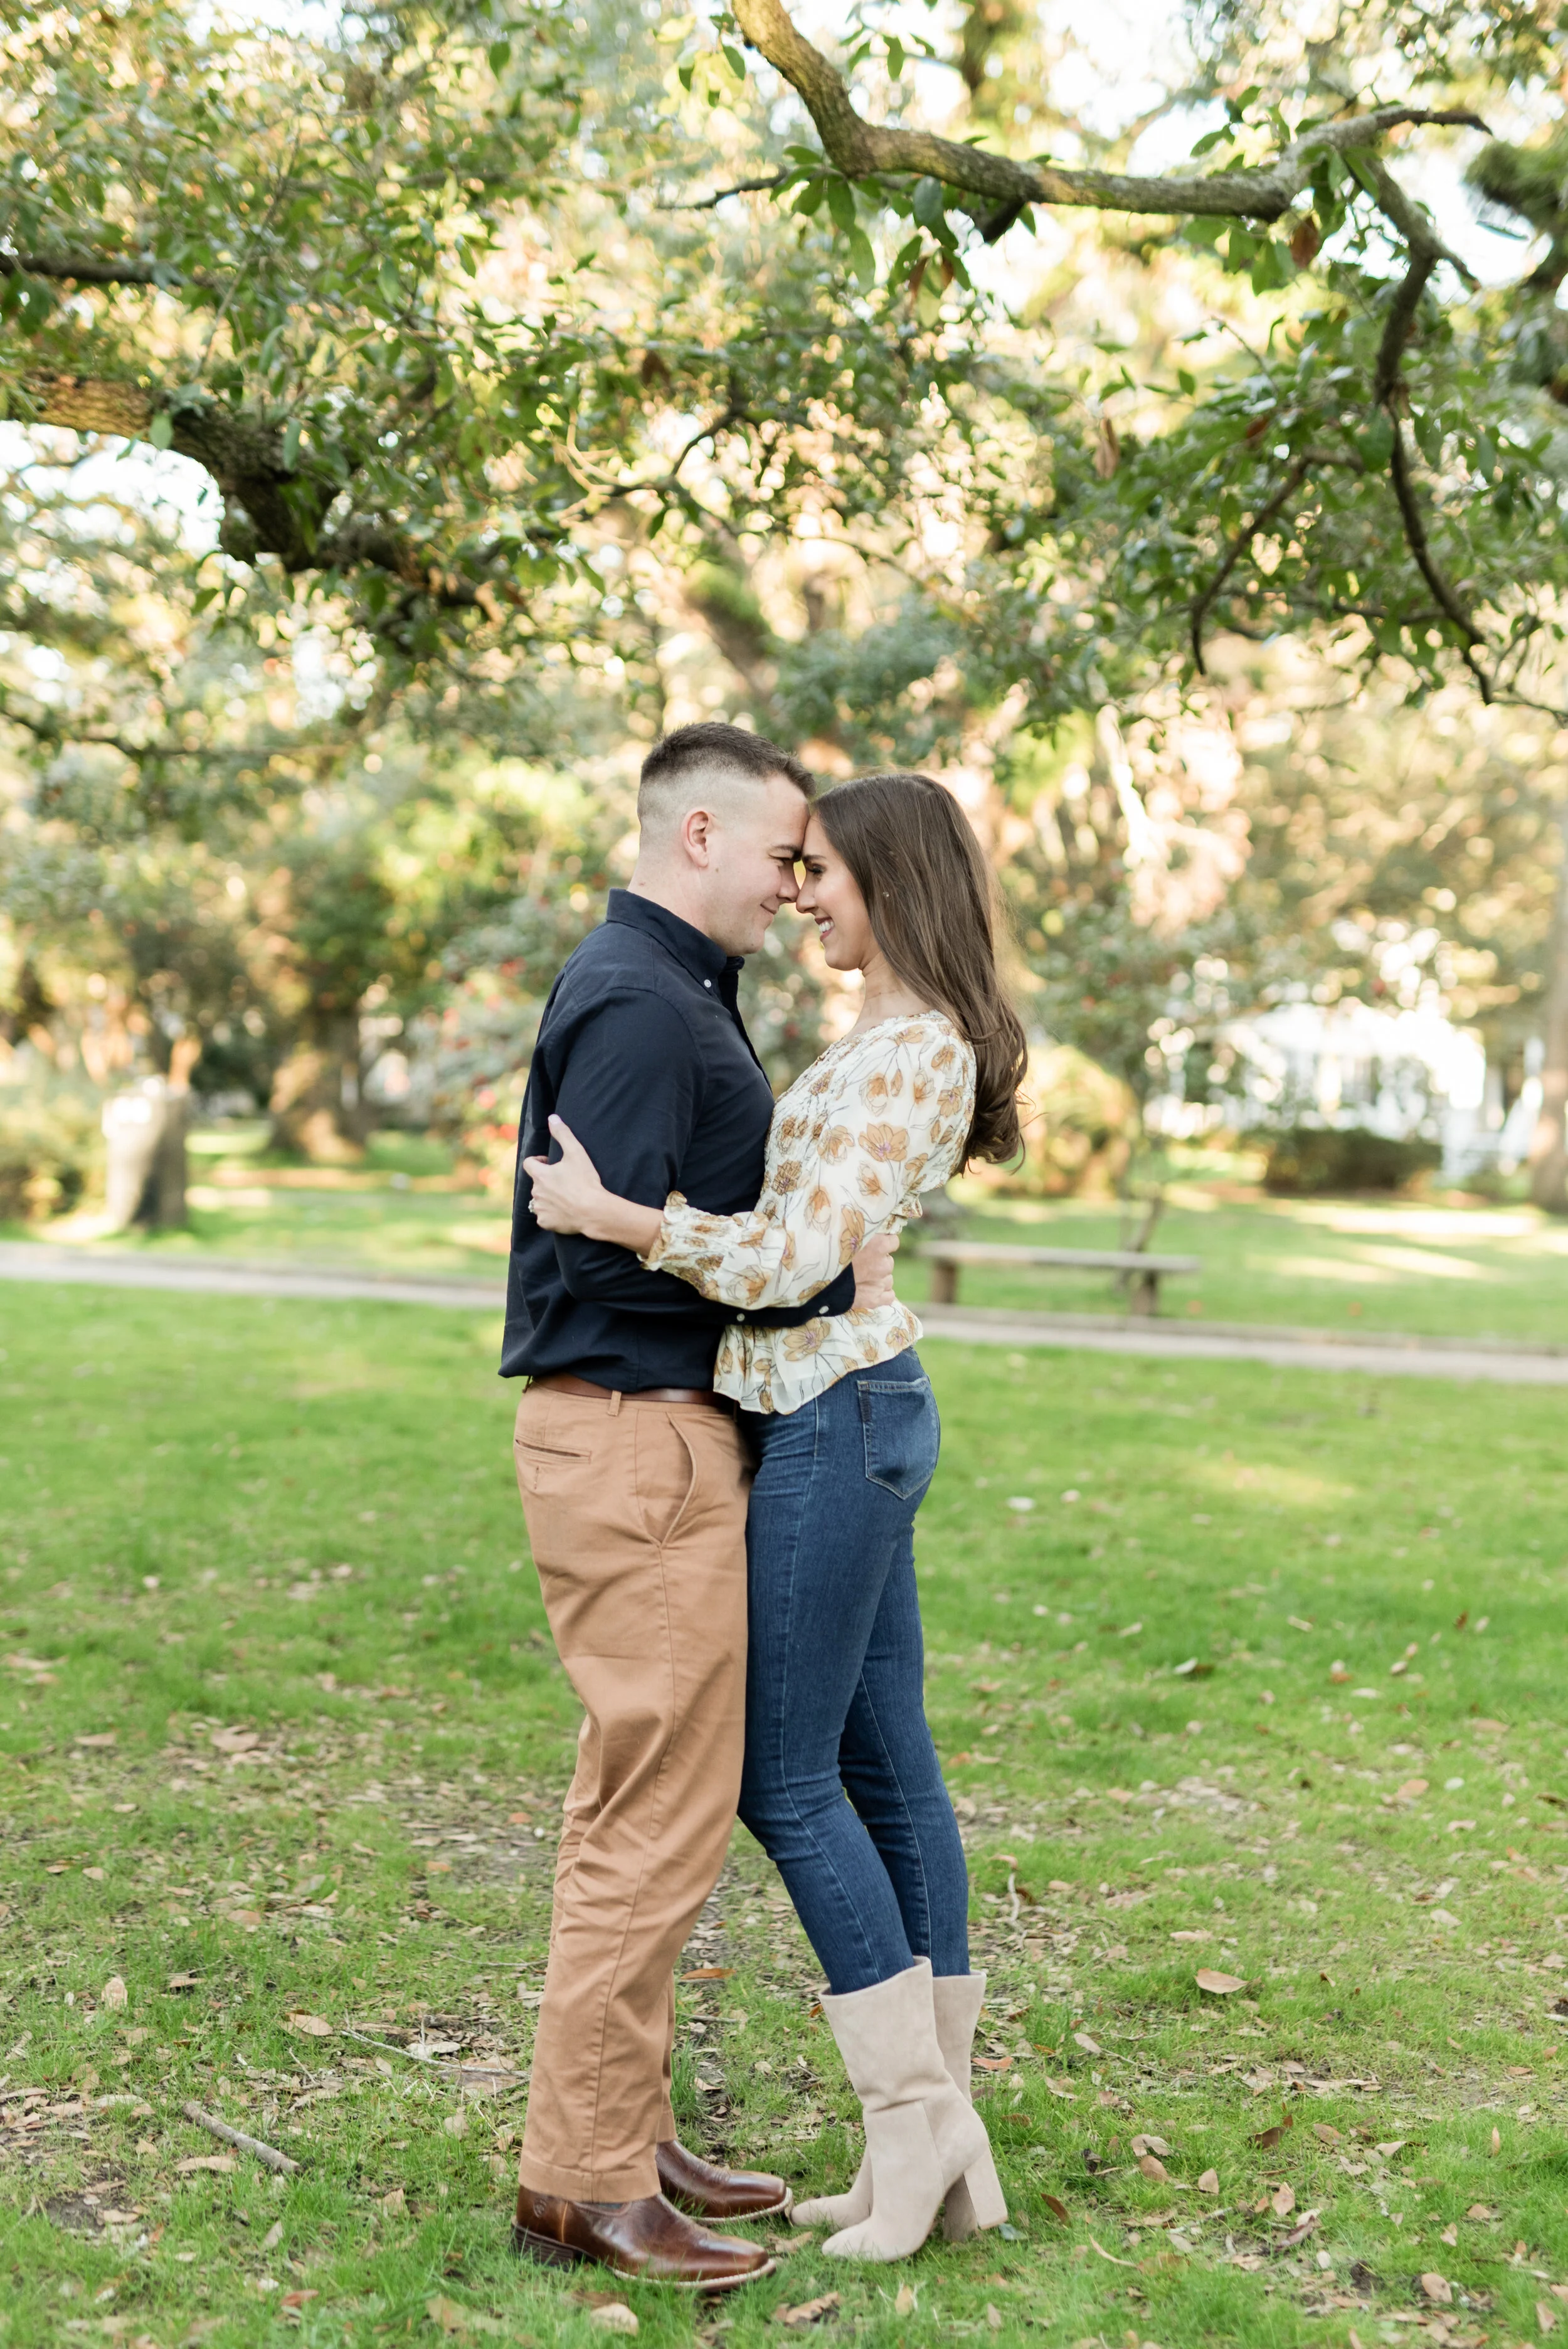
880	1117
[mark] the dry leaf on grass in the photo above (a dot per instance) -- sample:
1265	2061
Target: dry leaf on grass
311	2026
1282	2202
454	2318
1090	2046
613	2317
1299	2234
1147	2144
223	2163
1436	2288
396	2203
908	2301
806	2311
709	1974
1111	2257
182	1982
1058	2208
1217	1984
1152	2167
114	1993
457	2124
1326	2133
1481	2210
274	2236
103	1737
1497	2140
1210	2182
1409	1791
993	2317
1545	2317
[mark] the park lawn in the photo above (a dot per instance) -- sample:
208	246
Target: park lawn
273	1552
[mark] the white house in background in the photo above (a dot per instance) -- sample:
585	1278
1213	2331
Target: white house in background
1402	1072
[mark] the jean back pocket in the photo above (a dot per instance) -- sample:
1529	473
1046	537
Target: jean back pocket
903	1433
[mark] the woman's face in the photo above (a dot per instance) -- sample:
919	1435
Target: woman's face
828	893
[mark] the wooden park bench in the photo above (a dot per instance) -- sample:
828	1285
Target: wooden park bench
1143	1273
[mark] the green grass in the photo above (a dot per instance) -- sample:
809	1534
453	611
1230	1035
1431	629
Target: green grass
297	1523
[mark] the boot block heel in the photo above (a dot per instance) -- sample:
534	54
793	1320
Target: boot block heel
989	2204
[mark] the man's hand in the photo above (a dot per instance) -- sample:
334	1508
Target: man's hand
874	1272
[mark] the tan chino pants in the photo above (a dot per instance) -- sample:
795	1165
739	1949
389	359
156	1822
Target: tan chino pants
636	1516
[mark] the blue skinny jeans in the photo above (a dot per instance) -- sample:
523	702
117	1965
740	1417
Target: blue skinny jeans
842	1785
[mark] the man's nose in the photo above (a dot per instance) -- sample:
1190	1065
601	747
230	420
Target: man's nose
788	887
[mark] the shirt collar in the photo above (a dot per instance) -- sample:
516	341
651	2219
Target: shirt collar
691	947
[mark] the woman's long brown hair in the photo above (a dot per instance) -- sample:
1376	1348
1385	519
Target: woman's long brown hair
933	908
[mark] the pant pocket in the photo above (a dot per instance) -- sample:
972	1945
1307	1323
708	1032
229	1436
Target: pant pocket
903	1434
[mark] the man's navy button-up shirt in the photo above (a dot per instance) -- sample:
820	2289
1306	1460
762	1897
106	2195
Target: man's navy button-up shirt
642	1052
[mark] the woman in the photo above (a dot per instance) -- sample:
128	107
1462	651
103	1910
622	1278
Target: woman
845	1432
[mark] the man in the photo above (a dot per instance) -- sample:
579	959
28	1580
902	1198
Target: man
634	1484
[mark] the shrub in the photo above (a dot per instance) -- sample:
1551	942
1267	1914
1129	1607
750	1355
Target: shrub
51	1147
1307	1158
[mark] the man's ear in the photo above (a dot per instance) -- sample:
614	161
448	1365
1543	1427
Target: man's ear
696	829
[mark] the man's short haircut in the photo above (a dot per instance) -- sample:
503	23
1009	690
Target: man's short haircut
678	770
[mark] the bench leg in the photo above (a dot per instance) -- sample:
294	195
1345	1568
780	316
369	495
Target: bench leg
1146	1293
943	1283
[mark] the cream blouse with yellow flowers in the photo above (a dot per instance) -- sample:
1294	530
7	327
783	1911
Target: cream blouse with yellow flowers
883	1116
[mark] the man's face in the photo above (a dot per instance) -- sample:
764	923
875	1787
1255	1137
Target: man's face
753	847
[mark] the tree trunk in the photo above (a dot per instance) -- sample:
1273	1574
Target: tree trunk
318	1104
1549	1145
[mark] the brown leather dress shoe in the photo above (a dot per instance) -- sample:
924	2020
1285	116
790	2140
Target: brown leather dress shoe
694	2185
646	2238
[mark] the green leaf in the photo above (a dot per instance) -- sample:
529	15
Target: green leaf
862	260
160	431
734	60
929	208
499	56
895	55
841	204
292	431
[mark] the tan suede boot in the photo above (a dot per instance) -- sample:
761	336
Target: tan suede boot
958	1998
846	2209
922	2134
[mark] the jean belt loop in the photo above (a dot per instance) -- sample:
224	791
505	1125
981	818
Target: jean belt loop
615	1403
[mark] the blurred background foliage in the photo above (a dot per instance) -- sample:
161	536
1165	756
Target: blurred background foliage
401	438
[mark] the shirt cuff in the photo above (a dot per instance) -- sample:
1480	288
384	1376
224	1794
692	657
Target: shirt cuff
665	1240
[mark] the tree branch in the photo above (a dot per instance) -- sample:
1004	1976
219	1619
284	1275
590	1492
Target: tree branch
81	270
722	195
1386	391
1265	514
860	149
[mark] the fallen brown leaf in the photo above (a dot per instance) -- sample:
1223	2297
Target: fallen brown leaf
993	2317
457	2124
614	2316
1412	1788
1090	2046
1437	2287
1217	1984
1325	2131
311	2026
806	2311
709	1974
1147	2144
396	2203
1481	2210
1111	2256
1497	2140
114	1992
1210	2182
1152	2167
182	1982
1058	2208
1545	2317
223	2163
103	1737
907	2301
1299	2234
1282	2202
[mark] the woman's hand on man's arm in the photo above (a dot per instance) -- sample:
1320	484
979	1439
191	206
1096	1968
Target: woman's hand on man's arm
566	1196
874	1272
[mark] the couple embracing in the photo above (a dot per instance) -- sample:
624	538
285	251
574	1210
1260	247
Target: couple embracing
723	1442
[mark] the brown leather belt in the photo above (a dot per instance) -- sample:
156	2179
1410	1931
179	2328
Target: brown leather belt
565	1382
